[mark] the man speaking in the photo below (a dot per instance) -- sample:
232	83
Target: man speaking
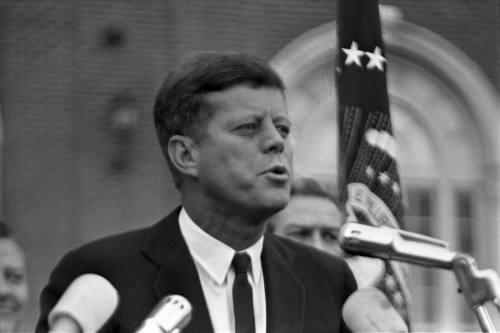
223	125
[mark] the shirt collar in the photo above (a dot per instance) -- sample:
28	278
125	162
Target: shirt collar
213	255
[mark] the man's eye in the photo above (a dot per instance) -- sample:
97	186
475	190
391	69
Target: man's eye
284	130
300	234
330	236
247	129
14	277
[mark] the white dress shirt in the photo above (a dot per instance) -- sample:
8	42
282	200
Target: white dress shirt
212	259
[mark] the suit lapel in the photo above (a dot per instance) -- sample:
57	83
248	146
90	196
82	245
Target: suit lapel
177	272
285	294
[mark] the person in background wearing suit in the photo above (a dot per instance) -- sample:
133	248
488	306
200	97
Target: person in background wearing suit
314	217
223	125
13	281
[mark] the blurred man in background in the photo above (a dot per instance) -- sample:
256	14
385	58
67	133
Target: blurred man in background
13	282
314	216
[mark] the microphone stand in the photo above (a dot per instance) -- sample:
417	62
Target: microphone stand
478	288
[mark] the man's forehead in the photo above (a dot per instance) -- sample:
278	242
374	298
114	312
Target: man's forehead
311	209
313	202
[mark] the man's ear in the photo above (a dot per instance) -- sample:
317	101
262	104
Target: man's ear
183	154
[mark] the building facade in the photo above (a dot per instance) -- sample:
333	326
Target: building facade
80	157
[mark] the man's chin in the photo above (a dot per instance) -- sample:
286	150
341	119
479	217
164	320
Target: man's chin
263	204
275	204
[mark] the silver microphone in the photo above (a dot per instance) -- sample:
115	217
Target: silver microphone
395	244
170	315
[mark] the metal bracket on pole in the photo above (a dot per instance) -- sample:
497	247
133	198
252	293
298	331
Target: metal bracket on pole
478	288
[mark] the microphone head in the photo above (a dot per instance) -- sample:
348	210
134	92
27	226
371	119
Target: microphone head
90	300
368	310
171	314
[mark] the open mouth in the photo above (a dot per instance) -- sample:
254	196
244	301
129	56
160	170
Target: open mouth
278	170
278	174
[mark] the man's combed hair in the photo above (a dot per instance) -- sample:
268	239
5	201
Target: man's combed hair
180	107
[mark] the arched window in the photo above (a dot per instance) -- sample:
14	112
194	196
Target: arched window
445	121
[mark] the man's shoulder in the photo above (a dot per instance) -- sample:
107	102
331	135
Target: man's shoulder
313	267
304	253
120	248
102	254
122	241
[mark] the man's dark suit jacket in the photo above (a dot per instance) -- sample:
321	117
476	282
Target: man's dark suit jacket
305	288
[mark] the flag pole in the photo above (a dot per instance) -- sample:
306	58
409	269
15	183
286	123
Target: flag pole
369	183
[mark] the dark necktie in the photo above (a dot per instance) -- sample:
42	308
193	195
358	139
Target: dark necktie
242	295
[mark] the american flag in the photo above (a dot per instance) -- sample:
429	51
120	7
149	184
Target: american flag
368	177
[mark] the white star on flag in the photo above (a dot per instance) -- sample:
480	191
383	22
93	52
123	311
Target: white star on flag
395	188
376	59
369	171
353	54
384	178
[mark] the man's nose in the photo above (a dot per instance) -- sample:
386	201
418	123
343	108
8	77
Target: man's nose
317	241
274	141
4	286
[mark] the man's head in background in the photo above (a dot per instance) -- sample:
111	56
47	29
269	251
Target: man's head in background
313	216
13	282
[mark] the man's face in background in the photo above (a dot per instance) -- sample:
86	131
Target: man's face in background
13	284
316	221
312	220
